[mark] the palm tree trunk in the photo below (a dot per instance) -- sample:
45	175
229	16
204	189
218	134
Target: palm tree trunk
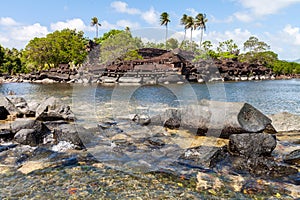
201	37
96	30
191	42
166	35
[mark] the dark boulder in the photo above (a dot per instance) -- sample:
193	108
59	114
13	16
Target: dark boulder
29	131
3	113
53	109
6	134
249	145
218	119
202	156
293	157
76	135
28	137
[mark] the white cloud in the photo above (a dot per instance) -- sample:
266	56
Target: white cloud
259	8
76	23
3	39
7	21
243	16
25	33
293	33
192	11
213	19
122	7
151	16
125	23
105	25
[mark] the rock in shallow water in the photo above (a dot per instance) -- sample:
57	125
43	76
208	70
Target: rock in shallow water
293	157
216	119
252	144
53	109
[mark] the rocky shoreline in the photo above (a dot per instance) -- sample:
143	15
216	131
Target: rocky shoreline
157	67
181	142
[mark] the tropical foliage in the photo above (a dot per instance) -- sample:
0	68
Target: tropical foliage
95	22
120	46
59	47
164	21
11	61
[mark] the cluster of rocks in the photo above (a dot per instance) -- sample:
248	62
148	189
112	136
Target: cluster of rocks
146	143
229	70
46	123
157	66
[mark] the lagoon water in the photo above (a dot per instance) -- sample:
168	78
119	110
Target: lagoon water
268	96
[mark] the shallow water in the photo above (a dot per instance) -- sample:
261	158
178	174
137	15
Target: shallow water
92	103
268	96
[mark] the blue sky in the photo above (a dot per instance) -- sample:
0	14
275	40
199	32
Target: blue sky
273	21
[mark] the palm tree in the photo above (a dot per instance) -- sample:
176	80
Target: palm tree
200	23
190	23
183	21
96	23
164	20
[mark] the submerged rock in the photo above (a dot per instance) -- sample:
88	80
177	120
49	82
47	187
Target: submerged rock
293	157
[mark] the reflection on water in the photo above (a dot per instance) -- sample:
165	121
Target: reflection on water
268	96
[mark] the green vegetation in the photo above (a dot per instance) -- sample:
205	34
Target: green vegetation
164	20
11	61
60	47
95	23
120	46
70	47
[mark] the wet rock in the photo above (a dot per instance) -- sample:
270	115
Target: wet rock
214	118
293	157
3	113
63	146
142	119
21	104
29	131
203	156
71	133
9	106
28	137
111	131
249	144
53	109
25	123
5	147
266	166
172	123
6	135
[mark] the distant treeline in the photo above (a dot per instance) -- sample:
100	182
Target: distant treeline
71	47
